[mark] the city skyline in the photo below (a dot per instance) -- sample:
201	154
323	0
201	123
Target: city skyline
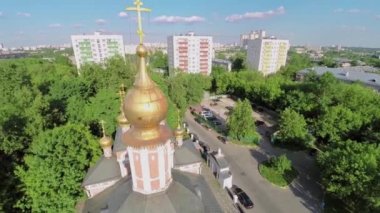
345	22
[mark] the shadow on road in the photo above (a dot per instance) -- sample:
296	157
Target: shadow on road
306	188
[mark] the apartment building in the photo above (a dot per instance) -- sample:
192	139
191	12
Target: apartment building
267	55
96	48
190	53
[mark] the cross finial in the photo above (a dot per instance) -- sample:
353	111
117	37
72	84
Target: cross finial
178	119
103	130
138	10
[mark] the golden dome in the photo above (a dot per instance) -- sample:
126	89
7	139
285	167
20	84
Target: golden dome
179	131
145	106
122	120
105	141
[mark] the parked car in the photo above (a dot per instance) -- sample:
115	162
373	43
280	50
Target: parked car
259	123
213	118
195	137
205	109
222	139
313	152
229	107
216	122
207	114
242	197
205	147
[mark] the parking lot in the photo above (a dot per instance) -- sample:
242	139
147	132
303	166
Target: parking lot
303	195
221	107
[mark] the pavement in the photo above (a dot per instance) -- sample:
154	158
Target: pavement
303	195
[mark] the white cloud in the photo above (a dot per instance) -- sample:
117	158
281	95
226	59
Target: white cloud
100	21
256	15
24	14
178	19
123	14
56	25
353	10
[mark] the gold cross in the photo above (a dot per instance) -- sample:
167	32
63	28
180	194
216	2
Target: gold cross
138	10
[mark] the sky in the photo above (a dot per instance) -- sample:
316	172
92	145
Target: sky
303	22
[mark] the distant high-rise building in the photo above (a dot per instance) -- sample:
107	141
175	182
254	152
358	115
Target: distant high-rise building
1	46
267	55
244	38
96	48
190	53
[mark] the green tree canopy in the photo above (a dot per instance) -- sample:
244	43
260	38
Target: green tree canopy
55	167
293	128
350	171
240	124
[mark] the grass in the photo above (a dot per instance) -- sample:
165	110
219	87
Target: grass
282	180
244	143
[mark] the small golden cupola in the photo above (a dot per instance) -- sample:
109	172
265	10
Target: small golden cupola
178	133
106	143
145	106
121	119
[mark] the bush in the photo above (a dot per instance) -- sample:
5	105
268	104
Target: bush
281	164
278	170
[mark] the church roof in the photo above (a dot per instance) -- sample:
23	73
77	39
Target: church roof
106	169
188	193
118	144
186	154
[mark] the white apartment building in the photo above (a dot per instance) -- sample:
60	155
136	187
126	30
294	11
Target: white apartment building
267	55
244	38
96	48
190	53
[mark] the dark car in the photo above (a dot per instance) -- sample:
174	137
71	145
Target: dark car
259	123
260	109
229	107
213	118
243	197
222	139
205	109
195	137
217	123
313	152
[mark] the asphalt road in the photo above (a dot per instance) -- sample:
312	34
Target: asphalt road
303	195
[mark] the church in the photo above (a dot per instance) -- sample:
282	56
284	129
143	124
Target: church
147	167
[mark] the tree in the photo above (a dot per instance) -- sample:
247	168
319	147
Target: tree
187	89
54	169
281	164
337	123
293	128
238	64
104	106
158	60
241	124
350	171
